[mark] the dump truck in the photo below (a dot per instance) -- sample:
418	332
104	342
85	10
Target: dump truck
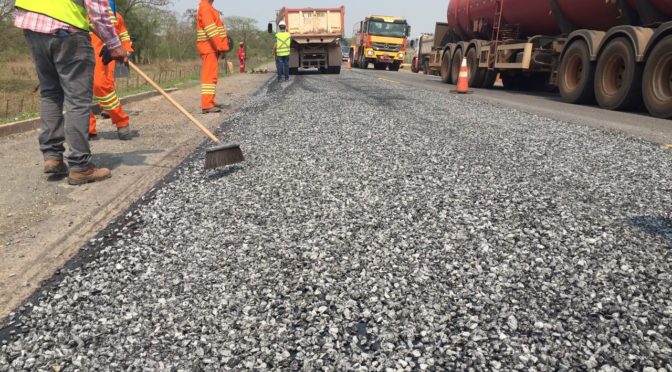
316	37
616	53
381	41
423	51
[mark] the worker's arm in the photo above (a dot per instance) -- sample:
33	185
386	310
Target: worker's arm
209	25
124	36
102	24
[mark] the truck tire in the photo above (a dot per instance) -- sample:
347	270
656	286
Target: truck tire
577	74
476	75
395	66
618	78
294	71
657	84
445	67
455	65
335	70
363	63
490	79
413	68
379	66
425	67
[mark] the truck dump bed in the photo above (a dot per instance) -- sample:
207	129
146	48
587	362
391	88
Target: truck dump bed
314	25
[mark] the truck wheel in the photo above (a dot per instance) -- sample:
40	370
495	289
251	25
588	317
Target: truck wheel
455	65
445	67
618	78
476	75
335	70
294	71
379	66
657	86
395	66
413	68
490	79
425	67
576	74
363	63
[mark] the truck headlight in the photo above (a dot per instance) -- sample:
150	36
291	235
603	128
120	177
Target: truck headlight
370	52
401	55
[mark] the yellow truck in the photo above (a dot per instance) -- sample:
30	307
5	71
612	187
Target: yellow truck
381	41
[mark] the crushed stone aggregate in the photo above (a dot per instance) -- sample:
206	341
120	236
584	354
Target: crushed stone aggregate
378	227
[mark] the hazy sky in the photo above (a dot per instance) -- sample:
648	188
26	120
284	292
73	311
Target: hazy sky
421	14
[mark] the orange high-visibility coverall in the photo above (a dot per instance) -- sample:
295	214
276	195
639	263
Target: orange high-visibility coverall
211	40
241	58
104	92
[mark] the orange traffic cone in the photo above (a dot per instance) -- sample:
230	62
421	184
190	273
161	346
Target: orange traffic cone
349	64
463	79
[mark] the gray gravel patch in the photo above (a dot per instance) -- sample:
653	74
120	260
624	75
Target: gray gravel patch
379	227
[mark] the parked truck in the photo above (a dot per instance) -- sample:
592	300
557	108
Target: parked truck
316	37
381	41
423	51
617	53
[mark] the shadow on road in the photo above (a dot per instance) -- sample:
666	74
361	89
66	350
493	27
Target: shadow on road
133	158
221	173
653	225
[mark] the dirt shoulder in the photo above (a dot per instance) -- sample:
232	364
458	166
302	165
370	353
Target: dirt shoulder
44	222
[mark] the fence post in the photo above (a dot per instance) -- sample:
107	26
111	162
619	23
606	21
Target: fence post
21	105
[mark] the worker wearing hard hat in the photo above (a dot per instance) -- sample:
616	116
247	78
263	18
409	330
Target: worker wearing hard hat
281	50
242	58
104	92
212	42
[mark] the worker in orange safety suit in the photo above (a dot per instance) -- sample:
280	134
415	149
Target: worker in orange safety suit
104	92
212	42
241	57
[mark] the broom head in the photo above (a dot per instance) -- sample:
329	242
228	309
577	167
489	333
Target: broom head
223	155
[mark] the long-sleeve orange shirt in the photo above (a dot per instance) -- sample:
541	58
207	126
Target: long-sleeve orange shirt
210	30
120	29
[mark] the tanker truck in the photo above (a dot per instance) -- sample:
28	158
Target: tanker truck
616	53
316	37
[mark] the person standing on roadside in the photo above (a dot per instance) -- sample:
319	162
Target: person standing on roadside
242	58
104	91
281	51
57	32
212	43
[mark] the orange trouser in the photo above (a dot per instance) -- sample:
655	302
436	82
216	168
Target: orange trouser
242	65
209	72
105	95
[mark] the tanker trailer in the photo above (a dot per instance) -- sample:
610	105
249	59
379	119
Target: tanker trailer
616	53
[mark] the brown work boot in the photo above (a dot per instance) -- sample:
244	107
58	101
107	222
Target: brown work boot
54	166
92	174
124	133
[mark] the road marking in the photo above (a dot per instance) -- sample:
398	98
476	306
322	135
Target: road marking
389	81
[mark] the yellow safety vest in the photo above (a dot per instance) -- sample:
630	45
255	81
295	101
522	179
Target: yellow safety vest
283	42
72	12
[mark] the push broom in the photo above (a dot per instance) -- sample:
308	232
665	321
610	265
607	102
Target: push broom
221	155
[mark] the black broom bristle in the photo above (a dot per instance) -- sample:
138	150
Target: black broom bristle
223	155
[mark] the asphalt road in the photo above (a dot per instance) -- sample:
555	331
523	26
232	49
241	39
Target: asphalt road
638	124
377	225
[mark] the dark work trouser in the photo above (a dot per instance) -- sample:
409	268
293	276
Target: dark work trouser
283	67
65	69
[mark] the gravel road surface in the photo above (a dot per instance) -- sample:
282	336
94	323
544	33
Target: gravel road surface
377	226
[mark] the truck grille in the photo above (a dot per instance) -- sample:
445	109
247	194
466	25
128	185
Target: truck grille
386	47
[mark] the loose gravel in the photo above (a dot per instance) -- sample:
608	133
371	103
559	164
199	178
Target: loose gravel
380	227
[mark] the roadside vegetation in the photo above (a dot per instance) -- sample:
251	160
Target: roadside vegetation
164	44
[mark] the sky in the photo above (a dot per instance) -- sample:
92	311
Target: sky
421	17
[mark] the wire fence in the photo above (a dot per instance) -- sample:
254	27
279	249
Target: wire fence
16	105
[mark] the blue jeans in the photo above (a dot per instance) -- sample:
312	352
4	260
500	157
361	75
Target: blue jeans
282	64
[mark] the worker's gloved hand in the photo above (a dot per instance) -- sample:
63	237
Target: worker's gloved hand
120	54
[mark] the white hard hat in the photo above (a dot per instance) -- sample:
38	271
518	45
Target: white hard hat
282	24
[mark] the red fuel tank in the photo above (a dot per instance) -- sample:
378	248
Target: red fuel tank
471	19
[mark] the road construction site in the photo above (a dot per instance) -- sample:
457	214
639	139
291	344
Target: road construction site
375	225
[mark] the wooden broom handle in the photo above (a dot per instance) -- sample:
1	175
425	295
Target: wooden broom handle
174	103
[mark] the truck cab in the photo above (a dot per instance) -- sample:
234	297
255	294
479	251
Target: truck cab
381	41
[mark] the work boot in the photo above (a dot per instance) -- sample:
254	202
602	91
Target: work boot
92	174
223	106
54	166
93	137
104	115
212	110
124	133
